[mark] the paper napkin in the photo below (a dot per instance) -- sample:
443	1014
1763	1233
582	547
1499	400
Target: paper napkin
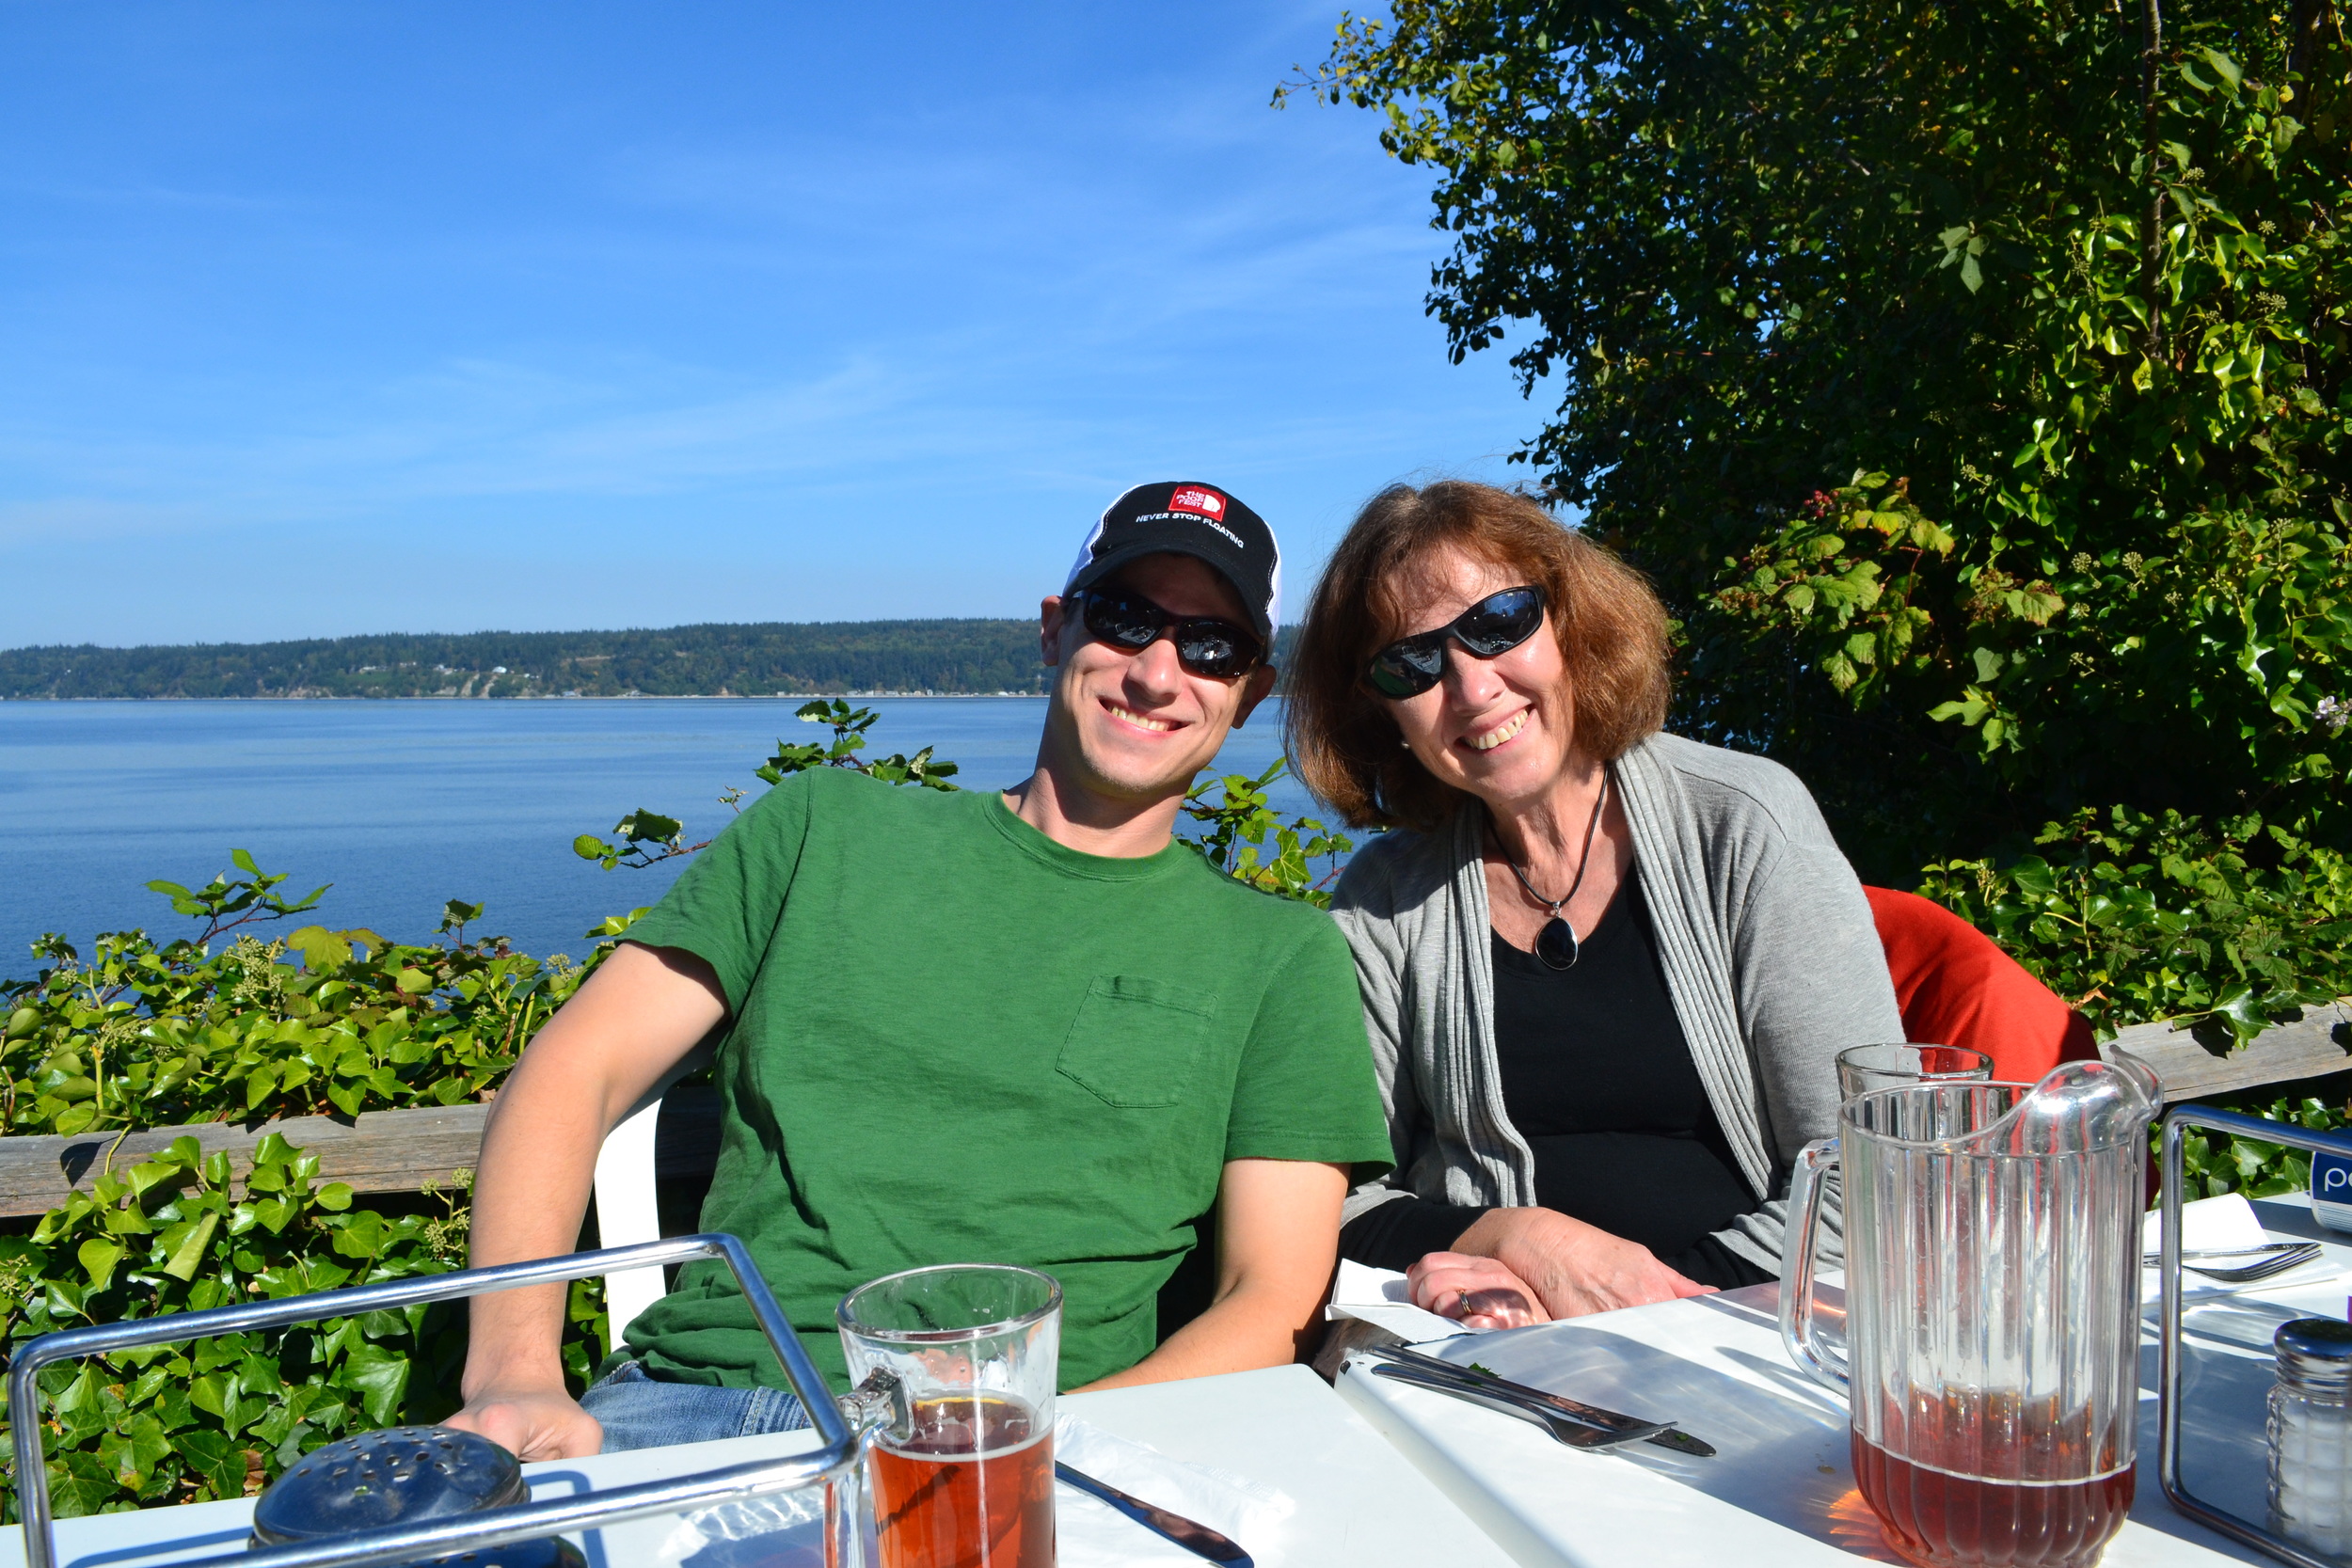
1381	1297
1090	1533
2214	1224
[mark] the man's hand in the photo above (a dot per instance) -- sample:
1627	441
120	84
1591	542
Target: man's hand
1573	1267
532	1423
1478	1292
628	1024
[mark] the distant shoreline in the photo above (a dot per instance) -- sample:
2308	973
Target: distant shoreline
772	659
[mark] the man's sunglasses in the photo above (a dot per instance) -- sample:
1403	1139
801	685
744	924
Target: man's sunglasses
1495	625
1127	621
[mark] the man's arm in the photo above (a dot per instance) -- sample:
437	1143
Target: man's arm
627	1024
1278	1240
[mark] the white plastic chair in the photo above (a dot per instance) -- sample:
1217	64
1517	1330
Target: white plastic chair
627	1210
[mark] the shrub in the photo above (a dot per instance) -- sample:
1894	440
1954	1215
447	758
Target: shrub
2135	918
323	1022
217	1417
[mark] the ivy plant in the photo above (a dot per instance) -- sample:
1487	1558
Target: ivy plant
321	1022
2135	918
219	1417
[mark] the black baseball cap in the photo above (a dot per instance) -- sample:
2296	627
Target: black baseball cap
1187	517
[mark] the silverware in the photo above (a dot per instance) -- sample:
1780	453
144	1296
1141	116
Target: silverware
2277	1257
1197	1539
1628	1428
2152	1257
1564	1429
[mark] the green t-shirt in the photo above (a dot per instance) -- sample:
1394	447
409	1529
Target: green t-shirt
956	1040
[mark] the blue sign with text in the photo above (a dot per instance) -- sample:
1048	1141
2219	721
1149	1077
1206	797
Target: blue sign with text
2331	1190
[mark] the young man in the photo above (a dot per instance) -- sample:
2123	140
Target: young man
1024	1028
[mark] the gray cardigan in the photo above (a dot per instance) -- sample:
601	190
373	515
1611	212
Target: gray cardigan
1766	939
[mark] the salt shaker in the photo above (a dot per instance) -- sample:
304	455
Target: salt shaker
2310	1435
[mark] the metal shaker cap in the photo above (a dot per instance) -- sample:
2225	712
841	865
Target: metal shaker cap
399	1475
2317	1339
403	1476
2315	1357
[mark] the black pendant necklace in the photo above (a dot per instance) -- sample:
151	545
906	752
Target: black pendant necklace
1556	944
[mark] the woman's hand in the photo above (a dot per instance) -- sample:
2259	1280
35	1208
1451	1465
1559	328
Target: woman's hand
1479	1291
1573	1267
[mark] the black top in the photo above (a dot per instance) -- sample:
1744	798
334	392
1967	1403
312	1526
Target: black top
1598	1078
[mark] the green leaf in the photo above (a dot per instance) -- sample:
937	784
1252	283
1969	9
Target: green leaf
2033	876
2240	1009
382	1378
133	1452
188	1255
2224	67
323	951
218	1461
360	1234
98	1259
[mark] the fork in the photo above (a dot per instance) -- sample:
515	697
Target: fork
2271	1258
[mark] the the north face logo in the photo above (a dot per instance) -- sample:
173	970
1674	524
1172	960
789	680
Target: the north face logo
1191	498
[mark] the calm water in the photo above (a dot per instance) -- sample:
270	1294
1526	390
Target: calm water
402	805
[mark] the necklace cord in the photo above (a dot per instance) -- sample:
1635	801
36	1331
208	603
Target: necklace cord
1584	862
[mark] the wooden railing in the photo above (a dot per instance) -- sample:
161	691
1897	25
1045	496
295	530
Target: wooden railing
385	1151
2196	1063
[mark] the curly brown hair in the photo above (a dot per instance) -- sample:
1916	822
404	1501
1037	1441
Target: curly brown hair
1612	629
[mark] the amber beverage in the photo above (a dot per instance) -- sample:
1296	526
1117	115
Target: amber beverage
972	1488
961	1453
1939	1518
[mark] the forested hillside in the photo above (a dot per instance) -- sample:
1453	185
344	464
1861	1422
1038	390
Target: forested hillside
706	660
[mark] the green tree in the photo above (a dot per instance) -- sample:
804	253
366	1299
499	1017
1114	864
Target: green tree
1971	378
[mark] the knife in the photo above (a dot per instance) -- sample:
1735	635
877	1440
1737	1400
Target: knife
1200	1540
1591	1414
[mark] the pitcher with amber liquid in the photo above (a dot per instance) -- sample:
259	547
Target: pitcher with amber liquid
1992	1243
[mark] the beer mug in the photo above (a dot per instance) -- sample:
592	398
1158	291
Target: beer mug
960	1433
1864	1067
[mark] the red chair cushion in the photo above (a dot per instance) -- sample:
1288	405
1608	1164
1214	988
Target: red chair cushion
1955	987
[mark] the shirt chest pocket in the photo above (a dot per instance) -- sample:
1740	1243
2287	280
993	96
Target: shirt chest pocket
1136	1043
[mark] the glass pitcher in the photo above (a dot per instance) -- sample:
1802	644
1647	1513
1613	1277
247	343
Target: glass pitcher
1992	1240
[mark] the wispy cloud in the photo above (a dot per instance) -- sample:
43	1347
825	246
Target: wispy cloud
571	307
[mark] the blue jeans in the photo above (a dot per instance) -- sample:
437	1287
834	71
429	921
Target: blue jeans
638	1410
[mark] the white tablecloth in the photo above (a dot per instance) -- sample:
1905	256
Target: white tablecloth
1781	1490
1358	1501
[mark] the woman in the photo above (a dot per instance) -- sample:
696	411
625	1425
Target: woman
1606	971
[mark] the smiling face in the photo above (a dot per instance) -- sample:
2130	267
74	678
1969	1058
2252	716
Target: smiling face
1501	728
1134	728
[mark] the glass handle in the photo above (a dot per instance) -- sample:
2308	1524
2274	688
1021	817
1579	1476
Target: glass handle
1799	1244
878	1406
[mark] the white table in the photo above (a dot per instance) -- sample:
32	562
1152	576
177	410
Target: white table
1360	1502
1781	1489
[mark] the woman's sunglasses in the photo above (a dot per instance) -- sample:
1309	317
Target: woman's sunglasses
1495	625
1127	621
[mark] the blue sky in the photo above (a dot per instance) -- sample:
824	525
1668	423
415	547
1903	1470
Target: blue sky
320	319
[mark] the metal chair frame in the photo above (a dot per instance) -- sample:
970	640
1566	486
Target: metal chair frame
833	1464
2177	1122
